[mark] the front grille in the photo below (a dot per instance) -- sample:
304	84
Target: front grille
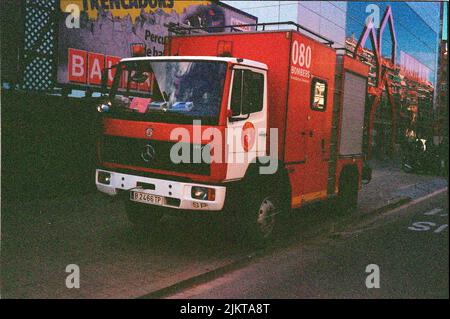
150	154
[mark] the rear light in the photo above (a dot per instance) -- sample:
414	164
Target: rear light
203	193
225	48
104	178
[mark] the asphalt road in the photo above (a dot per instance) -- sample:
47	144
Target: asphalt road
408	245
40	238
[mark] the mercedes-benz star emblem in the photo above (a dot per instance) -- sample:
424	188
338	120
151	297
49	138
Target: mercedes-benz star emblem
148	154
149	132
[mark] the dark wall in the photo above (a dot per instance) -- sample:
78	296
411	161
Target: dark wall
11	26
48	145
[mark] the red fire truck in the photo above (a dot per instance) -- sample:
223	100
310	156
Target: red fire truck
280	99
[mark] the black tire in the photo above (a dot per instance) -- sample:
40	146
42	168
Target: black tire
142	216
265	212
348	193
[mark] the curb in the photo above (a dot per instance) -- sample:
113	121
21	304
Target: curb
202	278
395	203
246	260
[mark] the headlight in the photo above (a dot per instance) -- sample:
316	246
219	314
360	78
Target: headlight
203	193
104	108
104	178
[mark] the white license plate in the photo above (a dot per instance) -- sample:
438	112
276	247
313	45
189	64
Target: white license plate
146	198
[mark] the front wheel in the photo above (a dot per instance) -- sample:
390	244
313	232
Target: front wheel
348	193
266	219
265	215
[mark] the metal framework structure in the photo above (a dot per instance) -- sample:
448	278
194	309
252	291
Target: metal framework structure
383	82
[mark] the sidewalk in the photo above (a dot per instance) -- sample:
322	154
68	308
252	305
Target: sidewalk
39	239
390	184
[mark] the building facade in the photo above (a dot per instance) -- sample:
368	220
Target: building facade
414	76
328	18
61	46
442	116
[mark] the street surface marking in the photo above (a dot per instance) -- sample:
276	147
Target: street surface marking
441	228
427	226
434	211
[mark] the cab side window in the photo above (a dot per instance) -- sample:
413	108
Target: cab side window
236	95
318	94
247	92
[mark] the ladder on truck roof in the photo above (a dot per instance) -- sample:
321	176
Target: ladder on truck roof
180	29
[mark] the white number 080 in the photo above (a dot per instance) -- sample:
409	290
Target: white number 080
301	55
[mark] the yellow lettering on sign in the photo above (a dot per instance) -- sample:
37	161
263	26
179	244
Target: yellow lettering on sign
122	8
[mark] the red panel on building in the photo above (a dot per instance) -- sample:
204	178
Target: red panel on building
77	65
110	61
95	68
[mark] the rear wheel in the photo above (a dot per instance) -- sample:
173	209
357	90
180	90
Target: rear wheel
348	193
142	216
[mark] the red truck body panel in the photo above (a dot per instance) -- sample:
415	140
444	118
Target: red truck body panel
308	131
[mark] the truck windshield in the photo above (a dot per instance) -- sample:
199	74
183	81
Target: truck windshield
168	91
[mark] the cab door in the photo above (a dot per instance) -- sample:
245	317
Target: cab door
247	121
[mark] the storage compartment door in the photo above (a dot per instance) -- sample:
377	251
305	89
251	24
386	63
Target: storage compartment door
352	127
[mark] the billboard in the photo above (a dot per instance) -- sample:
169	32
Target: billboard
107	28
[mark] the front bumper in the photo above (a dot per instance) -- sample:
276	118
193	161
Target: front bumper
180	191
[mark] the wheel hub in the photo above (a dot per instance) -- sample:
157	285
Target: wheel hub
266	217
